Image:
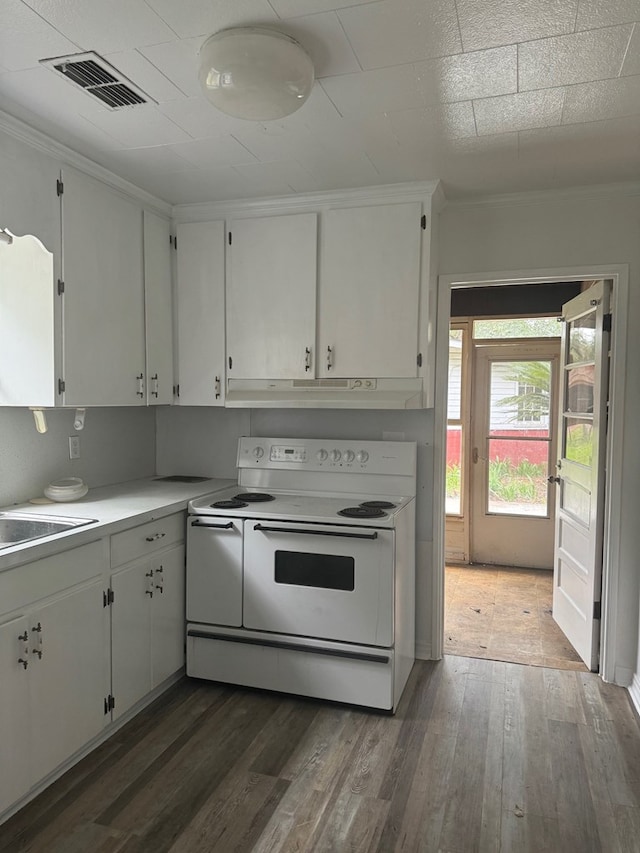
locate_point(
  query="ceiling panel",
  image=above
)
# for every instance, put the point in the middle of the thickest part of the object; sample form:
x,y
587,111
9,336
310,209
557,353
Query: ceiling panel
x,y
205,17
519,112
290,8
138,127
602,100
325,41
496,22
212,153
25,37
603,13
177,60
631,63
138,69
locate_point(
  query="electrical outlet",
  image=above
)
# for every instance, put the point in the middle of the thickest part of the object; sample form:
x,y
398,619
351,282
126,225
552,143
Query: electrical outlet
x,y
74,447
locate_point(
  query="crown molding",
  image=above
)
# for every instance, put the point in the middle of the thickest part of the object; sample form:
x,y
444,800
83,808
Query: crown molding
x,y
67,156
595,191
416,191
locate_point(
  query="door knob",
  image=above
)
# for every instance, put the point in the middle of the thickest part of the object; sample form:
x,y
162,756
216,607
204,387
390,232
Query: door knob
x,y
553,479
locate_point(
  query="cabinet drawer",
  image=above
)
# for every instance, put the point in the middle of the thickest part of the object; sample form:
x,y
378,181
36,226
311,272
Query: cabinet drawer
x,y
146,539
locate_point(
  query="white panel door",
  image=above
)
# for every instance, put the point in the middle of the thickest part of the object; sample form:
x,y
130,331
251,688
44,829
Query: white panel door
x,y
581,470
15,778
131,635
200,297
167,615
271,297
68,675
369,291
104,350
158,310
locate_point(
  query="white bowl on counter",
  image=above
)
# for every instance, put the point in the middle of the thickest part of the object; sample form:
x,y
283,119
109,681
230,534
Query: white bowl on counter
x,y
66,489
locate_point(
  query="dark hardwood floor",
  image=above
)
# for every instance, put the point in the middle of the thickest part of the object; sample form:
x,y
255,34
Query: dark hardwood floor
x,y
481,756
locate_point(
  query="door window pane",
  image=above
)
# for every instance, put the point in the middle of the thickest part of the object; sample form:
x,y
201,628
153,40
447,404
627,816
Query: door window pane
x,y
579,391
454,400
517,477
520,398
582,339
454,470
578,440
518,327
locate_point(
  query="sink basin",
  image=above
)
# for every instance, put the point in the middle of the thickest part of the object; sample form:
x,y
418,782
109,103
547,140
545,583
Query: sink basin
x,y
19,527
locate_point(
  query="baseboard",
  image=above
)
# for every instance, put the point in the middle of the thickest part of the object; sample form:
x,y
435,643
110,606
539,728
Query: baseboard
x,y
634,692
423,651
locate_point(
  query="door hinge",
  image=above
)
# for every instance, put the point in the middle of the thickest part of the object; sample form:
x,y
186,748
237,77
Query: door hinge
x,y
176,390
173,241
61,386
59,187
597,609
423,221
419,359
109,703
230,362
108,597
606,323
60,287
230,238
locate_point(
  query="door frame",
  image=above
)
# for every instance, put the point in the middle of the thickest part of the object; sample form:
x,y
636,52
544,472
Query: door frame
x,y
619,274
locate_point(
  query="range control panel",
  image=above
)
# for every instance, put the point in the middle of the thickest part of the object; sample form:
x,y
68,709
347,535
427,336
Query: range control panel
x,y
376,457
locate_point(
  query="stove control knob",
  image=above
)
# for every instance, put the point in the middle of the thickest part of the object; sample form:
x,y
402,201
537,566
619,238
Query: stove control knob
x,y
349,456
336,455
258,452
362,456
321,455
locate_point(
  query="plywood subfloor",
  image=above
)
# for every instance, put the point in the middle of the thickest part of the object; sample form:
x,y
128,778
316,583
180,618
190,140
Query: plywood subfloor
x,y
481,757
505,614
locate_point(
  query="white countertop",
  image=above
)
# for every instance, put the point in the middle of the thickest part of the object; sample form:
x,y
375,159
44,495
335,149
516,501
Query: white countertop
x,y
114,508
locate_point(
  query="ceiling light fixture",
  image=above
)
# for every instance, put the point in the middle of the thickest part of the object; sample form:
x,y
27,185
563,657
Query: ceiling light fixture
x,y
255,73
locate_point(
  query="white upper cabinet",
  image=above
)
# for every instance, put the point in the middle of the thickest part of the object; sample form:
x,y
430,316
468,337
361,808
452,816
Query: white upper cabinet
x,y
271,297
369,289
158,296
102,265
200,289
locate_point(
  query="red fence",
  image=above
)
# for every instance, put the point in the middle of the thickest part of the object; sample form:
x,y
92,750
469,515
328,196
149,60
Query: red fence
x,y
514,451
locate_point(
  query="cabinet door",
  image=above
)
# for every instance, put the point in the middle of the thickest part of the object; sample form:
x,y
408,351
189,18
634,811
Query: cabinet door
x,y
131,635
271,297
69,676
369,291
201,349
158,310
15,777
167,615
103,340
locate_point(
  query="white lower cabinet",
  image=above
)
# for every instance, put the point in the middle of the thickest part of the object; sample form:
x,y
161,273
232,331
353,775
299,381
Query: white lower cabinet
x,y
147,610
53,665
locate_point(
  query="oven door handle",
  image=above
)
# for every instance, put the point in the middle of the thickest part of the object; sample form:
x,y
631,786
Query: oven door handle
x,y
315,532
198,523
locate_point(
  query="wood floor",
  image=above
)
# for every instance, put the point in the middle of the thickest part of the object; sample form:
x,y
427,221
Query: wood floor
x,y
505,614
481,756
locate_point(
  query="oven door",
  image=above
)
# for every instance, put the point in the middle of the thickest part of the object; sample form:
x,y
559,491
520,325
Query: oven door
x,y
319,580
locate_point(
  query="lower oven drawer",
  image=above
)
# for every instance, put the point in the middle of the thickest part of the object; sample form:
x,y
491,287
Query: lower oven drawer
x,y
363,676
334,582
214,570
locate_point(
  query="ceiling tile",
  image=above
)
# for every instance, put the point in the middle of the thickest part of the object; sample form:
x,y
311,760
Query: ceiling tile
x,y
197,185
199,118
631,63
489,24
601,100
480,74
47,93
376,91
144,74
575,58
381,37
135,162
443,121
25,38
336,169
138,127
291,8
324,40
104,27
588,143
278,178
205,17
212,153
177,60
518,112
604,13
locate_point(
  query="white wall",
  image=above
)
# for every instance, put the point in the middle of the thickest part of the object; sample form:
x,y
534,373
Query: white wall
x,y
115,445
547,233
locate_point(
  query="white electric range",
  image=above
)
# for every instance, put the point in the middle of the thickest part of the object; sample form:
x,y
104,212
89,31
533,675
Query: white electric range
x,y
301,578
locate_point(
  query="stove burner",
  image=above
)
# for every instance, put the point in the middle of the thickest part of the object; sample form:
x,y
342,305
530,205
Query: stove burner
x,y
378,504
254,497
232,504
362,512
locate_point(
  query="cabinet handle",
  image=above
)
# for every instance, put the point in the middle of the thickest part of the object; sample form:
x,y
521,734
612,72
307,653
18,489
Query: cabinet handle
x,y
24,636
155,536
140,391
149,592
329,358
216,387
149,574
24,662
160,570
160,587
307,358
38,649
154,387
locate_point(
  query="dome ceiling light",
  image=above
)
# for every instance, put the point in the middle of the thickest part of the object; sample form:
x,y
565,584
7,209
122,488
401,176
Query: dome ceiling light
x,y
255,73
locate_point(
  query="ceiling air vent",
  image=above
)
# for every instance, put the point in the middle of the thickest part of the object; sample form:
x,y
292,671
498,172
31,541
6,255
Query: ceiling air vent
x,y
97,77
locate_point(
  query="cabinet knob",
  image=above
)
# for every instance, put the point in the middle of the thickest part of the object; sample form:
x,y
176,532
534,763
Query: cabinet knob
x,y
25,663
155,536
24,636
149,592
160,588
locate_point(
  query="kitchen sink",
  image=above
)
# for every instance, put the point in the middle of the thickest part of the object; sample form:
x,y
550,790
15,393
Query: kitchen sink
x,y
19,527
